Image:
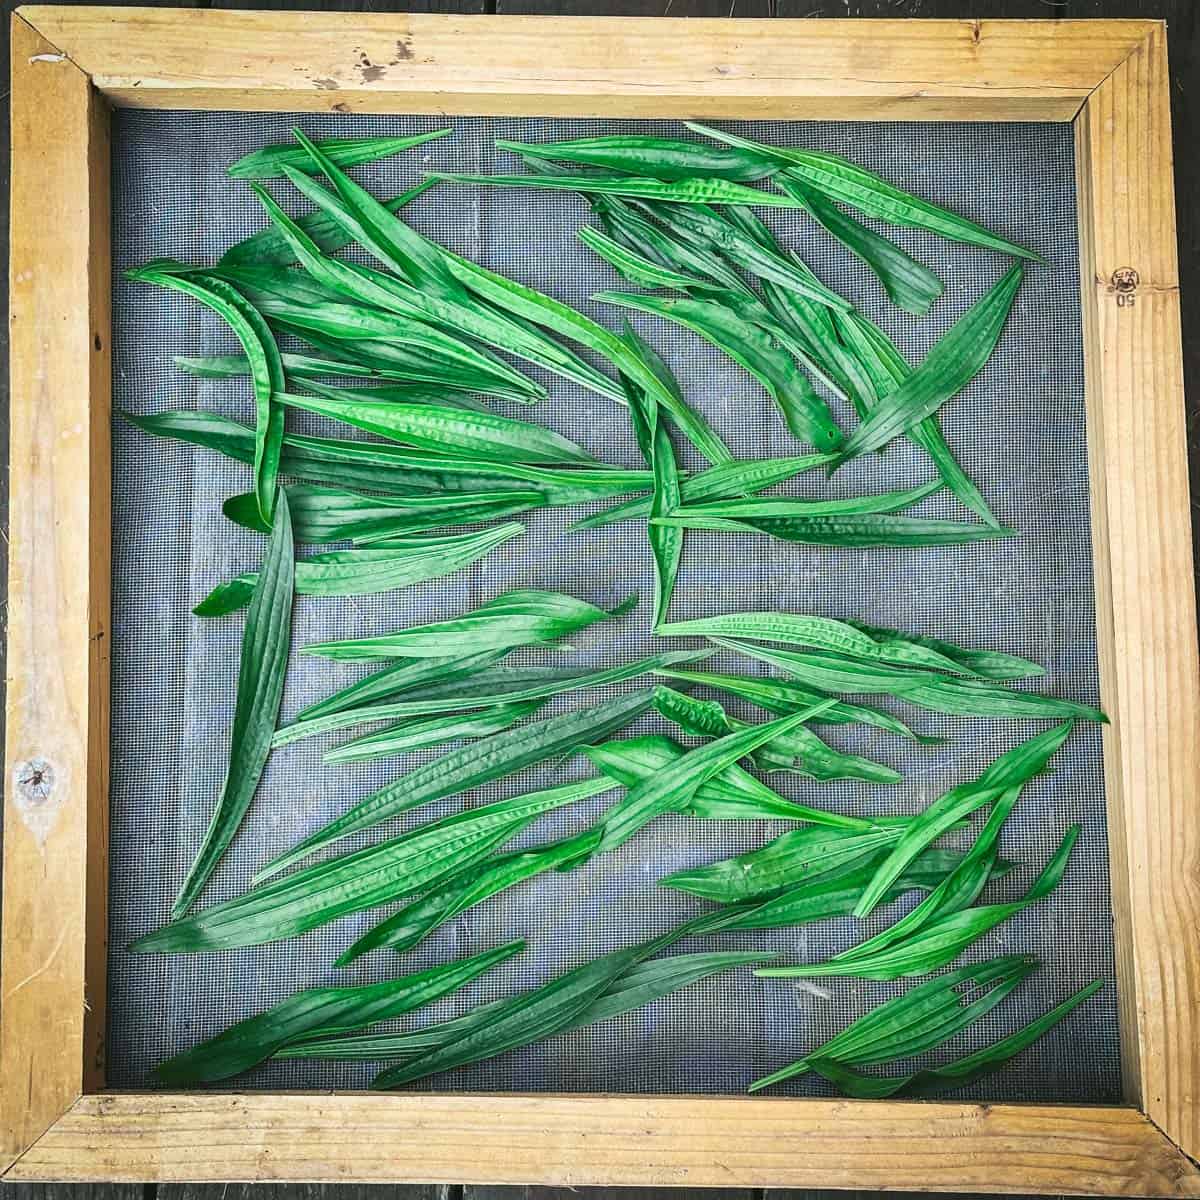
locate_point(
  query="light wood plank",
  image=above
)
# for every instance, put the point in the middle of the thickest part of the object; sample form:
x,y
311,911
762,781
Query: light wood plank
x,y
56,791
1144,575
617,67
611,1141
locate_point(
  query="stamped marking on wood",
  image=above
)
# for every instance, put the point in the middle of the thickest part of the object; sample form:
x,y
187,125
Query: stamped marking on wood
x,y
37,795
1124,285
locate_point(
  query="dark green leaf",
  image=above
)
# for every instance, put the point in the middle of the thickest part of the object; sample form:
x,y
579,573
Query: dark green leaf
x,y
268,163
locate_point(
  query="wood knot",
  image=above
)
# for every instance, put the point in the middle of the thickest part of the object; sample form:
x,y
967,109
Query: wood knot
x,y
34,782
1123,284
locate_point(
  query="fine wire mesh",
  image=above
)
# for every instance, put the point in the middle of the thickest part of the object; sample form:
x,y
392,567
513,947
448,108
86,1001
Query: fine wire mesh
x,y
1019,430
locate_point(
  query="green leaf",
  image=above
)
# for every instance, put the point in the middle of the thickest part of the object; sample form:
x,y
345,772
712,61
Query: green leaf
x,y
953,362
1015,768
466,688
473,764
266,640
705,228
825,633
660,794
938,693
781,695
716,483
270,248
807,416
296,366
640,271
732,795
909,285
532,305
923,1017
327,1010
781,511
682,191
847,183
268,163
799,856
364,879
864,531
517,618
940,940
464,434
416,921
418,735
800,750
959,1072
368,571
392,680
655,157
266,369
988,664
321,514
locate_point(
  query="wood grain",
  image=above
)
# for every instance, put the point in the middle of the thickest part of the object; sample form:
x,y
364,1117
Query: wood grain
x,y
732,1142
1144,579
56,781
616,67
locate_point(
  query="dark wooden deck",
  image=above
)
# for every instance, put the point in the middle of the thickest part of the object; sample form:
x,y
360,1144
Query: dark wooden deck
x,y
1183,17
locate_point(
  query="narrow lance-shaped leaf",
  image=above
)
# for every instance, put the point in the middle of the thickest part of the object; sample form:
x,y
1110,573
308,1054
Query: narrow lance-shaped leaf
x,y
471,765
466,434
418,735
682,191
843,181
940,693
717,483
269,247
866,530
825,633
806,414
370,570
1016,767
321,514
801,750
266,640
266,370
801,856
467,689
639,270
354,882
734,794
532,305
909,285
416,921
396,679
327,1010
656,157
958,1072
942,939
920,1019
268,163
952,363
988,664
518,618
783,696
658,795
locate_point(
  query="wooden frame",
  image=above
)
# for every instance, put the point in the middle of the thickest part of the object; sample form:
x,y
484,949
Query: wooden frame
x,y
1108,77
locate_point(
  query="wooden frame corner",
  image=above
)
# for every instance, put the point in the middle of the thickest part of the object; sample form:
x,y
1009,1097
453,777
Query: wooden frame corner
x,y
1108,77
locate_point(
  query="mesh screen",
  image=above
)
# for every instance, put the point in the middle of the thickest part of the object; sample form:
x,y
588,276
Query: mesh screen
x,y
1018,428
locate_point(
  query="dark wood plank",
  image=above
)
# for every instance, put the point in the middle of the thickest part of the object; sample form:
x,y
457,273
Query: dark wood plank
x,y
592,1193
292,1191
641,8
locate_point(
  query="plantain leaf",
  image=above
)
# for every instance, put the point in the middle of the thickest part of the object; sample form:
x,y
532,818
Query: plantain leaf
x,y
471,765
419,735
328,1010
987,664
956,359
847,183
639,270
517,618
370,570
266,640
268,163
857,530
918,1020
364,879
806,414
